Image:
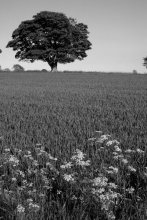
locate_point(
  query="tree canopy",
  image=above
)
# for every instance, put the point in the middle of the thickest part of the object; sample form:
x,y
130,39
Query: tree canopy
x,y
50,37
0,51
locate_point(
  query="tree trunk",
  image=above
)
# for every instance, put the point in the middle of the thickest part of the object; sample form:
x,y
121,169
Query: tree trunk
x,y
53,67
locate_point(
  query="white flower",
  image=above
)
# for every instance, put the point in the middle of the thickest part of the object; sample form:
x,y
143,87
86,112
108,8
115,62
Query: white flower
x,y
131,169
110,171
74,197
30,185
91,139
13,160
21,173
103,138
129,151
130,190
115,153
30,200
41,195
38,145
112,195
35,207
29,152
25,182
45,179
14,179
116,157
125,161
1,138
7,150
139,151
66,165
111,215
20,209
98,191
35,163
121,156
41,152
101,190
78,155
109,143
114,169
19,151
117,149
100,181
98,133
52,158
68,177
113,185
29,156
49,164
83,163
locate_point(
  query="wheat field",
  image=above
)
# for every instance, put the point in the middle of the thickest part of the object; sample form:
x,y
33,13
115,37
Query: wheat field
x,y
61,112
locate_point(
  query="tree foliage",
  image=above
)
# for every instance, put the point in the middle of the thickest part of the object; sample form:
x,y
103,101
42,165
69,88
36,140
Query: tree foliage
x,y
0,51
18,68
50,37
145,61
7,70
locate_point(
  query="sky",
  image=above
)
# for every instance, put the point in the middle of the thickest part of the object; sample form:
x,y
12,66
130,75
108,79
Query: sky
x,y
118,32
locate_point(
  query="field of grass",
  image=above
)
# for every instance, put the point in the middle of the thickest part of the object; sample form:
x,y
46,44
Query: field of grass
x,y
60,112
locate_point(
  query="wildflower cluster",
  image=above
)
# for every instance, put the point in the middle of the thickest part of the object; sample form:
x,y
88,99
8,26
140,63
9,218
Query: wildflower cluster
x,y
24,180
100,189
32,180
121,167
76,169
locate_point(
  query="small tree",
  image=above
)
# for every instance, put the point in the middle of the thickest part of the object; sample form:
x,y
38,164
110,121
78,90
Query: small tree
x,y
7,70
135,72
18,68
44,70
0,66
50,37
145,61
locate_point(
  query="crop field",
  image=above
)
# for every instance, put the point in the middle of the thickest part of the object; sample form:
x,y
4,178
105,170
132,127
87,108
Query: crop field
x,y
62,121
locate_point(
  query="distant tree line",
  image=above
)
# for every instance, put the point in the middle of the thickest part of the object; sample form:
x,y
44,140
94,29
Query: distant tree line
x,y
15,68
19,68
